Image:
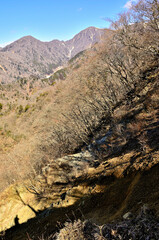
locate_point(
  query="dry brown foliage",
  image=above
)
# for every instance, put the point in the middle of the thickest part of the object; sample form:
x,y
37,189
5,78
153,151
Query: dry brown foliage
x,y
73,110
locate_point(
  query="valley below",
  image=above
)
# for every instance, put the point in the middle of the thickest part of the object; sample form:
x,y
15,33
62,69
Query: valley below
x,y
79,133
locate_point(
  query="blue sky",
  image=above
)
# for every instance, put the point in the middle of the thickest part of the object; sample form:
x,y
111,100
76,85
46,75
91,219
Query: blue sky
x,y
54,19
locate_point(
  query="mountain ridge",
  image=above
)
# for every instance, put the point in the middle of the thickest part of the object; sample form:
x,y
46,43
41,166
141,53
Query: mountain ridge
x,y
56,39
30,56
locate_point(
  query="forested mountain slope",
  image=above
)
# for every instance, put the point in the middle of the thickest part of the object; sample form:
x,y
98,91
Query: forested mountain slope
x,y
87,146
29,56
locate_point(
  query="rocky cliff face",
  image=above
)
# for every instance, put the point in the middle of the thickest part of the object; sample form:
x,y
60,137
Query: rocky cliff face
x,y
29,56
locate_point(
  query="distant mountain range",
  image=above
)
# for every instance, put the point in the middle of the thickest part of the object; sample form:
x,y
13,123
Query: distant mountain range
x,y
30,56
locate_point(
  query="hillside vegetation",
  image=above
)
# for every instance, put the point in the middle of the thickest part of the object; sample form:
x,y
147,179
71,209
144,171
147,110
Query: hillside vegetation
x,y
87,137
65,117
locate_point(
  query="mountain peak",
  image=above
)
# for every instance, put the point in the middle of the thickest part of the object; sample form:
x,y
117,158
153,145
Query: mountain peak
x,y
29,37
41,58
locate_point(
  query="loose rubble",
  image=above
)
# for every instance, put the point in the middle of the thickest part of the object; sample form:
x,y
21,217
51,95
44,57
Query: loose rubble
x,y
145,226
